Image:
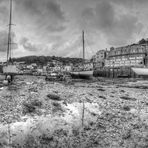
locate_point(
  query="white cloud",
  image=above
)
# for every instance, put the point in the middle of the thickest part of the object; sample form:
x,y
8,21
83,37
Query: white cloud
x,y
53,27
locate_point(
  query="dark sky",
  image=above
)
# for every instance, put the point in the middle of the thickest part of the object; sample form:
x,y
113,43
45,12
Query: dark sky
x,y
54,27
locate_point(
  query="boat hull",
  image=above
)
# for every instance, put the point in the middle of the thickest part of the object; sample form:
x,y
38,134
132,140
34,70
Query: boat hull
x,y
141,71
82,74
10,69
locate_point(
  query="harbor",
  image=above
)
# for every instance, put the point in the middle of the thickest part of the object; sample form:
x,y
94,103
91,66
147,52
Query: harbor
x,y
115,113
73,74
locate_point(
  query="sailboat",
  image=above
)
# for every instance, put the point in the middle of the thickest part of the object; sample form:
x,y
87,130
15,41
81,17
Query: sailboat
x,y
9,68
85,69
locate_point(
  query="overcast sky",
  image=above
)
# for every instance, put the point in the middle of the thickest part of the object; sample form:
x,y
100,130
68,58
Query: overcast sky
x,y
54,27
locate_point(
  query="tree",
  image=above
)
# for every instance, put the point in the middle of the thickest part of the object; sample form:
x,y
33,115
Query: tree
x,y
142,41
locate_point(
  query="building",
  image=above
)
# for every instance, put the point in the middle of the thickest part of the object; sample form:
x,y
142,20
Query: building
x,y
87,66
54,66
21,65
57,63
127,56
99,59
67,68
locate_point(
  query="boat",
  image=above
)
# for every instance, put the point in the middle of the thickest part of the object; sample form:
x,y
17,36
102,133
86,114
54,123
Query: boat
x,y
143,71
84,69
82,74
10,68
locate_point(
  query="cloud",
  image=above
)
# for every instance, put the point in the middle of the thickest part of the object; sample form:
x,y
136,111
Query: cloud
x,y
4,13
105,16
117,29
130,1
44,7
125,2
4,41
55,28
124,30
29,46
52,27
44,16
55,9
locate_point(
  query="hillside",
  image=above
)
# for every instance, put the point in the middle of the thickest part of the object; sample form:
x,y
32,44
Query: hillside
x,y
42,60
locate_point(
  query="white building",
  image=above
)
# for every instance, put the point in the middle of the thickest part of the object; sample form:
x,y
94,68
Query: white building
x,y
67,68
126,56
99,58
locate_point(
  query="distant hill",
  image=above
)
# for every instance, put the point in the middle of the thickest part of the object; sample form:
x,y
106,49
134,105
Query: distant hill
x,y
42,60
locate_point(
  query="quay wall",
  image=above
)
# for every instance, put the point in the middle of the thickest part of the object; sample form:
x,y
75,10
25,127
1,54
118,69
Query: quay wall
x,y
119,61
125,72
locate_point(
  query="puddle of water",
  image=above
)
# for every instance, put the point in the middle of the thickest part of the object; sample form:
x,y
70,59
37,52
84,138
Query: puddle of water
x,y
40,125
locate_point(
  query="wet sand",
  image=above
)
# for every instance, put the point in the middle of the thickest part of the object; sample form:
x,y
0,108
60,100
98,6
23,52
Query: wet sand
x,y
115,113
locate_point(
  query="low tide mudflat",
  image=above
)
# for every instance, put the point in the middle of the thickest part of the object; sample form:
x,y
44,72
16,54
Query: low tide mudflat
x,y
37,113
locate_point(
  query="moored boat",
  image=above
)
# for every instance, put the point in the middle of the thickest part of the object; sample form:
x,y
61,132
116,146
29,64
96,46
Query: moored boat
x,y
10,68
82,74
84,69
141,71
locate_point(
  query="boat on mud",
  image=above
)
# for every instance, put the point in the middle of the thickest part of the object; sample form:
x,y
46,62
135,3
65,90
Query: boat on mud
x,y
54,76
143,71
84,69
10,69
82,73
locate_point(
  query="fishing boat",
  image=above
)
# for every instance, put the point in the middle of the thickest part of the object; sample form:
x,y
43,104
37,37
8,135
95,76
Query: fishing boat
x,y
143,71
84,69
82,73
10,68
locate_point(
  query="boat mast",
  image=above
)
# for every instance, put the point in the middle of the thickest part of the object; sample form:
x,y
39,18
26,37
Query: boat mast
x,y
9,35
83,45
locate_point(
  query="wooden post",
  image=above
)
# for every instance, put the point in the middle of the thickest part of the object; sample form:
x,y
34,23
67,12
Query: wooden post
x,y
83,110
117,71
105,72
113,69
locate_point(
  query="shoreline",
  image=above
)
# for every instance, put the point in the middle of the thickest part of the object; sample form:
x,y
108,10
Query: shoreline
x,y
112,107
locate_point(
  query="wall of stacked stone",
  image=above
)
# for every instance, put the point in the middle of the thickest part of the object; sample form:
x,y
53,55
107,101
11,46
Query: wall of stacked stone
x,y
115,72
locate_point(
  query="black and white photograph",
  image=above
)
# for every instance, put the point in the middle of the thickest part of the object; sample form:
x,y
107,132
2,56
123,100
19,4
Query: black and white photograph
x,y
73,73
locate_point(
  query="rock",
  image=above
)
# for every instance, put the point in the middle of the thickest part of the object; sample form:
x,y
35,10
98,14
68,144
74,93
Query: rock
x,y
5,82
54,97
126,134
102,97
1,88
128,98
30,106
100,89
126,108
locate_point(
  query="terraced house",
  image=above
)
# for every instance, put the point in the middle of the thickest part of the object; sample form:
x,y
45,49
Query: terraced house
x,y
127,56
99,59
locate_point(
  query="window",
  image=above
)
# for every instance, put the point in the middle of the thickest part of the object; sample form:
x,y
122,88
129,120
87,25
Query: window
x,y
134,50
142,49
